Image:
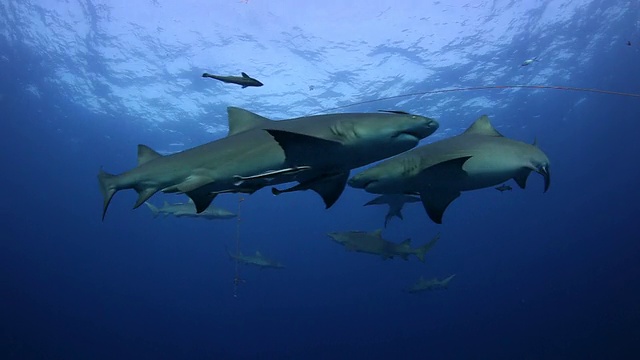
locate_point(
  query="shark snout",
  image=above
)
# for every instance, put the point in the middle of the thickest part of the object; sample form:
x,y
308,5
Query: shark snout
x,y
423,129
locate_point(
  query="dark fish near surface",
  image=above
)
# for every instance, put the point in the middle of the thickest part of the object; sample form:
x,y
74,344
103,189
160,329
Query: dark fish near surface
x,y
244,80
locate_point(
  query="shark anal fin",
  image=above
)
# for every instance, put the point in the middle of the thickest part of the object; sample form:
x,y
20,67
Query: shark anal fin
x,y
144,195
436,202
299,148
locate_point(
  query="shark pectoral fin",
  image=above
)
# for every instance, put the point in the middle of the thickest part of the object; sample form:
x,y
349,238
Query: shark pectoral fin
x,y
399,214
244,86
146,154
521,178
201,199
380,200
331,188
300,148
144,195
436,202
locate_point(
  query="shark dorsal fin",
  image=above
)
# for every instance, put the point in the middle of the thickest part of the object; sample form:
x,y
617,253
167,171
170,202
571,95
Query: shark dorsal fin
x,y
482,126
241,120
244,75
377,233
535,142
397,112
146,154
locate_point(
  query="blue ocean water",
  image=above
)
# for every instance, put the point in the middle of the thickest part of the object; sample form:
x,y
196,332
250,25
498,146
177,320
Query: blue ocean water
x,y
538,275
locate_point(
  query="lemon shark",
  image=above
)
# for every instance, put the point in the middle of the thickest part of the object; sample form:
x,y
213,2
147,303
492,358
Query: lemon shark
x,y
480,157
395,202
319,151
429,285
258,260
244,80
373,243
189,210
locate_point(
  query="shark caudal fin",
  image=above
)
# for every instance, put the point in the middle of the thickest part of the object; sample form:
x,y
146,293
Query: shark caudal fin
x,y
422,250
154,210
108,188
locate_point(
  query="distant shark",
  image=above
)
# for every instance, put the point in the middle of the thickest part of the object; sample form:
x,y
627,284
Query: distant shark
x,y
189,210
429,285
478,158
373,243
319,151
258,260
395,202
244,80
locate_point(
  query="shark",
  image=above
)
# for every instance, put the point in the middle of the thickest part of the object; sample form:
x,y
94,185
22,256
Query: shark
x,y
480,157
373,243
429,285
244,80
250,158
189,210
257,259
395,202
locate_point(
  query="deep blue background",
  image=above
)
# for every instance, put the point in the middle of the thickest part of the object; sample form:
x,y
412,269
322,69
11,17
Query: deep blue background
x,y
550,275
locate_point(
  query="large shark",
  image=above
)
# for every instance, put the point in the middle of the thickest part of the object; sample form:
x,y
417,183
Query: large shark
x,y
429,285
373,243
244,80
395,202
258,260
478,158
189,210
249,158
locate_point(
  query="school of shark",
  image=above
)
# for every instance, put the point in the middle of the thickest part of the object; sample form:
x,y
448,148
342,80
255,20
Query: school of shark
x,y
317,153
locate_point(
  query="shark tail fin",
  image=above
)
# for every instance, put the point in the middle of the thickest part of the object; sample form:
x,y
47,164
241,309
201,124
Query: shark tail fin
x,y
108,187
153,209
422,250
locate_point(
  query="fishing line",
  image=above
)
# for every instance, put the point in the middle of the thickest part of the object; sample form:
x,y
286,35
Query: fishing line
x,y
237,280
489,87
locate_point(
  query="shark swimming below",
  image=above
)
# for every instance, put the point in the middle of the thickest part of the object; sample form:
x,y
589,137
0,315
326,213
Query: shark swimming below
x,y
429,285
244,80
317,151
395,202
189,210
478,158
373,243
258,260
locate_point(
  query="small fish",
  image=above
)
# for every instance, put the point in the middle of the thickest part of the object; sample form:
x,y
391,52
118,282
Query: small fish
x,y
529,61
628,43
504,187
244,80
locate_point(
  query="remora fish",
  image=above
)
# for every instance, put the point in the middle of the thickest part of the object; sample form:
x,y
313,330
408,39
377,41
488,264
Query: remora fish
x,y
244,80
343,141
478,158
189,210
373,243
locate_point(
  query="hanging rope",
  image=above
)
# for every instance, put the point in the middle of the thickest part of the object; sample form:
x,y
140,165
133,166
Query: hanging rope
x,y
237,280
500,87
